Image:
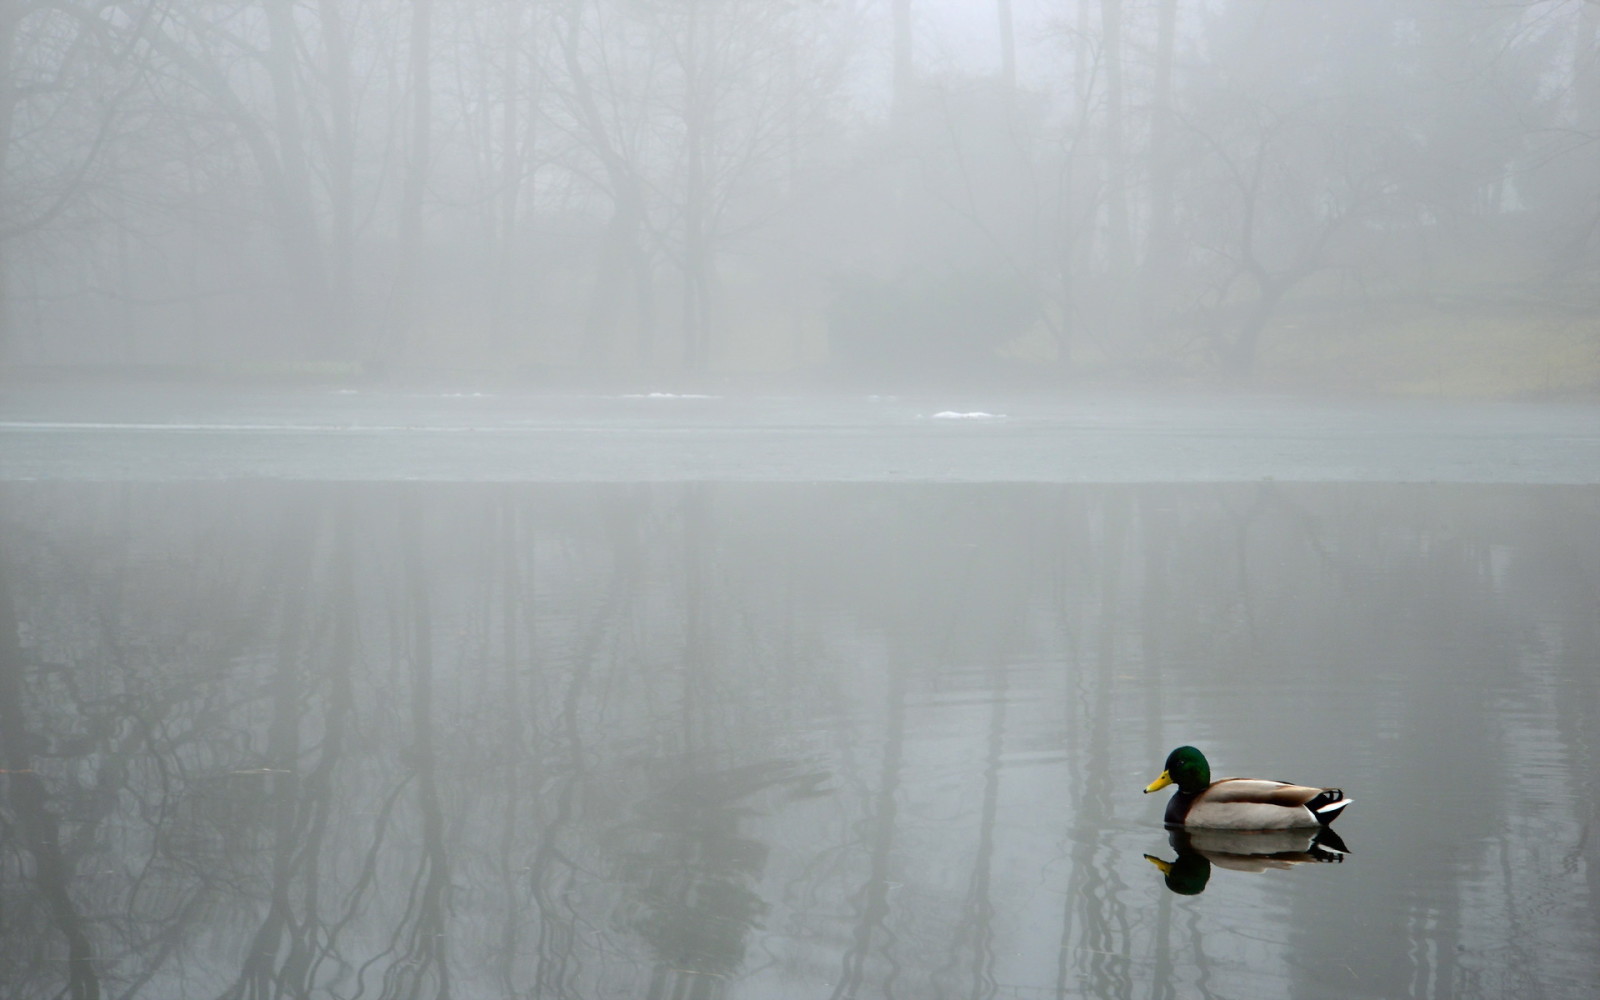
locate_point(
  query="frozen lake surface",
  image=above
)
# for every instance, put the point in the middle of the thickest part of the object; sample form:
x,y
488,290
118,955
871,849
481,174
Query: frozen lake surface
x,y
151,434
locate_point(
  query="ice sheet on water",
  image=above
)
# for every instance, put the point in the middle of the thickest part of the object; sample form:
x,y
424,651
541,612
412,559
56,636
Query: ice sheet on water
x,y
206,433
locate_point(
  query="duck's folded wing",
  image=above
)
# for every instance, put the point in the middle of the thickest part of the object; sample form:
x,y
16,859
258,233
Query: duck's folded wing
x,y
1253,804
1261,792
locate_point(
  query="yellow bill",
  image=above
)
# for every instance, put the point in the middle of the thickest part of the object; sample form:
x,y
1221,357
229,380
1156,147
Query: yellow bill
x,y
1158,784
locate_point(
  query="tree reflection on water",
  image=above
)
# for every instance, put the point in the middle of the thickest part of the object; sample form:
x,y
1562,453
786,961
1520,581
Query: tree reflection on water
x,y
695,741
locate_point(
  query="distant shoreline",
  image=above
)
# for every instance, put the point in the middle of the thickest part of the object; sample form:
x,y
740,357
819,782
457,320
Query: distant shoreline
x,y
1333,382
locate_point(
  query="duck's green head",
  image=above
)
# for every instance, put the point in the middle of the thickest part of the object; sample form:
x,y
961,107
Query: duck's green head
x,y
1186,768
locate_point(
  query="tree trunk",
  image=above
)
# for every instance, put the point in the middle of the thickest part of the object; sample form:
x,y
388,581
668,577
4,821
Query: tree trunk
x,y
904,70
1238,356
1077,242
340,168
405,303
1161,252
613,273
1008,46
697,124
621,251
1119,241
298,227
10,14
1586,115
512,103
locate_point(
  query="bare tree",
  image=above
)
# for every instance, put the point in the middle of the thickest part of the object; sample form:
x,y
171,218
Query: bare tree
x,y
607,121
1118,224
66,70
1008,43
403,317
686,111
279,78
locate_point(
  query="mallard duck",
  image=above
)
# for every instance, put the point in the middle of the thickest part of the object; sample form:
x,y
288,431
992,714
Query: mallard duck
x,y
1241,803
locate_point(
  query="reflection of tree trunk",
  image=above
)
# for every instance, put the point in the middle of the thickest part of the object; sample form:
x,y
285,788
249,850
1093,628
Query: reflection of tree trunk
x,y
1162,931
568,772
690,833
517,603
872,902
1087,927
975,926
293,939
1571,531
337,670
29,802
425,948
1156,532
290,583
697,647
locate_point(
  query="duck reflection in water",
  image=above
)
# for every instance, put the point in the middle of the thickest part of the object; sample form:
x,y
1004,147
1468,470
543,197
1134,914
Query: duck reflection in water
x,y
1242,851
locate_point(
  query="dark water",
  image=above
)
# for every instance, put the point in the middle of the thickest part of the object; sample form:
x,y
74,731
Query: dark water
x,y
789,740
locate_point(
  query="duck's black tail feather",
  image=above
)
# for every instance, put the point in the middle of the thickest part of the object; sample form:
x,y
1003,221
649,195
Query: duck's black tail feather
x,y
1327,806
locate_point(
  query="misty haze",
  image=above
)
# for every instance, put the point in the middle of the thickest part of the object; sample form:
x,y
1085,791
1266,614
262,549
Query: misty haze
x,y
701,499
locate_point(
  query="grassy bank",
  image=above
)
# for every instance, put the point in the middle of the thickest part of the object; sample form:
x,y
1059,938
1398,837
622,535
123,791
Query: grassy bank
x,y
1423,348
1462,349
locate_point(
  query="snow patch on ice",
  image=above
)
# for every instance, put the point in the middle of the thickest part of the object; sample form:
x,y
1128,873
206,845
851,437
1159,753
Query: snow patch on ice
x,y
666,395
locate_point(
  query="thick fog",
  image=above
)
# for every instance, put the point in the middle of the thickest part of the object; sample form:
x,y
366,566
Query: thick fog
x,y
558,192
718,499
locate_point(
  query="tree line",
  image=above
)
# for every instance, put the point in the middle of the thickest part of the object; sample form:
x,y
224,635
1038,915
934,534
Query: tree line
x,y
601,186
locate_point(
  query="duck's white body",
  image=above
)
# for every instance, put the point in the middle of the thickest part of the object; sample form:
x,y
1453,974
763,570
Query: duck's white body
x,y
1256,804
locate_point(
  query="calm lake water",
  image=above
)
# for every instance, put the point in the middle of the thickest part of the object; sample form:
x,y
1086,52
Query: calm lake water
x,y
786,739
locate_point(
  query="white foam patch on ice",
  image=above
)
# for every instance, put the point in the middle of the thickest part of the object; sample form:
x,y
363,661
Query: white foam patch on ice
x,y
666,395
